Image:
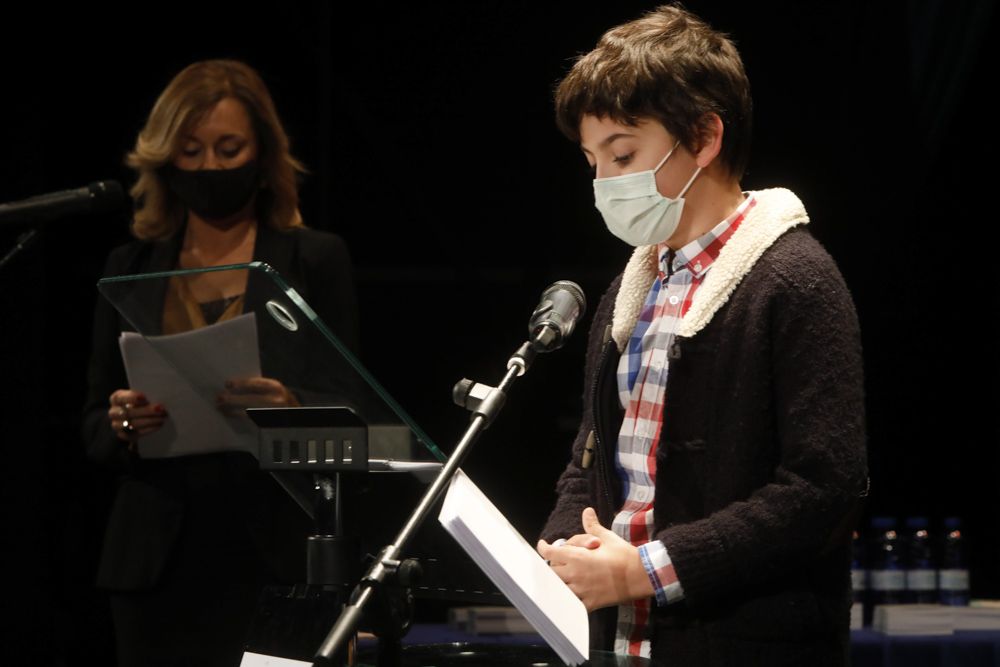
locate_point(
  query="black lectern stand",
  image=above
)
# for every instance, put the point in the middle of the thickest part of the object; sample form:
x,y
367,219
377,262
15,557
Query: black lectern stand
x,y
328,442
307,449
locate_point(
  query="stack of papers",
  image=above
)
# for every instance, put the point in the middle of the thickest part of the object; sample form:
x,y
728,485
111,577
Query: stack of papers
x,y
936,619
516,569
979,615
185,372
857,616
914,619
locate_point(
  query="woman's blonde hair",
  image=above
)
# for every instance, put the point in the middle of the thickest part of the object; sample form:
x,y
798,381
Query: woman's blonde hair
x,y
186,99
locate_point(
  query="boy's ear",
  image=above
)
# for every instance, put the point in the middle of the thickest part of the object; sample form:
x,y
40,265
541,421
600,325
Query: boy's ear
x,y
709,140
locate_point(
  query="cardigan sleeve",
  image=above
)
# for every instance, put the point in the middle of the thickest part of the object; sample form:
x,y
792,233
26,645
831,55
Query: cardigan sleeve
x,y
573,494
804,510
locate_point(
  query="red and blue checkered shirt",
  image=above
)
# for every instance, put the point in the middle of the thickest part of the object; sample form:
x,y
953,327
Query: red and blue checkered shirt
x,y
642,383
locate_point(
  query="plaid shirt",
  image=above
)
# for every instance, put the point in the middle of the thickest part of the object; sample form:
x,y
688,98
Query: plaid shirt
x,y
642,383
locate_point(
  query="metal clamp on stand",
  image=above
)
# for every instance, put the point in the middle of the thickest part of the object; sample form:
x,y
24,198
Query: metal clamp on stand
x,y
487,401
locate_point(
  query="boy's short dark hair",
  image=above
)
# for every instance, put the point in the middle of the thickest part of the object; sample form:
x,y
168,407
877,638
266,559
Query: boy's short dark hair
x,y
668,65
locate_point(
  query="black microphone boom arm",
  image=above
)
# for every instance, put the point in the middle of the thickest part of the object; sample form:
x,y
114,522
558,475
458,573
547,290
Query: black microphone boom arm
x,y
558,312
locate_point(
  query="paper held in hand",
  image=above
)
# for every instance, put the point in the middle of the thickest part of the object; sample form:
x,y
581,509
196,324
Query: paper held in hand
x,y
516,569
185,372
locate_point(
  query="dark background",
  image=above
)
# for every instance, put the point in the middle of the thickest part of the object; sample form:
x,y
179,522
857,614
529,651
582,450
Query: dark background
x,y
429,136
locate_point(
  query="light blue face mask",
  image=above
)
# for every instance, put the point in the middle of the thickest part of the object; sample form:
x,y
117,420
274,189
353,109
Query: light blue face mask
x,y
634,210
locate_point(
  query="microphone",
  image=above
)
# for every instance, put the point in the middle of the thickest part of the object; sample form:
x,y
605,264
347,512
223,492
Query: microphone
x,y
97,197
561,305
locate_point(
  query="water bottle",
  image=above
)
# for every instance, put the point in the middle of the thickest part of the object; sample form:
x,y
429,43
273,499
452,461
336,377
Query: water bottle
x,y
887,577
953,579
859,584
921,575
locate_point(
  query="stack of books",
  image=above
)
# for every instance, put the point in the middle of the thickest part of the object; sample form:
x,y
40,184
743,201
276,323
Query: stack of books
x,y
936,619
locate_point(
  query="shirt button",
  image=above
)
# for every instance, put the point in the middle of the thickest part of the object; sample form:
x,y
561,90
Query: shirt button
x,y
674,301
697,266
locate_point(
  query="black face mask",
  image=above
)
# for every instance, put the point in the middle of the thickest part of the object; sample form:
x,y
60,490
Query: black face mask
x,y
213,194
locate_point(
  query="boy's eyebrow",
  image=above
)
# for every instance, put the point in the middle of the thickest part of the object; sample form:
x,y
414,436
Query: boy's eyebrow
x,y
608,140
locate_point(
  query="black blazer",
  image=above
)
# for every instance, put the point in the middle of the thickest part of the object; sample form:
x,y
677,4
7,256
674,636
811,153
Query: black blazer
x,y
154,496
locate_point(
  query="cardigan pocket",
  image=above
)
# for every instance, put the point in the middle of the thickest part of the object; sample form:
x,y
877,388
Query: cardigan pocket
x,y
783,616
680,480
690,392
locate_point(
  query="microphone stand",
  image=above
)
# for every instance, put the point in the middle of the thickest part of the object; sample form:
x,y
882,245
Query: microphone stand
x,y
485,403
24,241
99,196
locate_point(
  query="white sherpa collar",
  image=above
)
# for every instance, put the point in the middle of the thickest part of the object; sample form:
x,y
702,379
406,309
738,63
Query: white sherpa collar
x,y
776,211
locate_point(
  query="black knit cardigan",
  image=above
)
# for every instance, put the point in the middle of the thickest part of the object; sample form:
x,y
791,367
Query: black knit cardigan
x,y
760,466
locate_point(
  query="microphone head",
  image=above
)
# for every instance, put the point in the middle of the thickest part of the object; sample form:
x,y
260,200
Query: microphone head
x,y
105,196
561,306
98,197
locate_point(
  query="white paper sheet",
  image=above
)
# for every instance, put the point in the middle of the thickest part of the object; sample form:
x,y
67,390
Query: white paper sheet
x,y
516,569
186,372
260,660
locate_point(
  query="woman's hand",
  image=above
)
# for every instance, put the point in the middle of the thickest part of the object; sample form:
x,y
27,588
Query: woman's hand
x,y
599,567
132,416
258,392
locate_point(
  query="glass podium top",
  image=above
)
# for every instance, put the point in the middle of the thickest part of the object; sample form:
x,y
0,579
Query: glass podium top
x,y
263,347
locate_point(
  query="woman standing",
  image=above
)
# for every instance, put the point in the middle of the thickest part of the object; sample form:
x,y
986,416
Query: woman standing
x,y
191,540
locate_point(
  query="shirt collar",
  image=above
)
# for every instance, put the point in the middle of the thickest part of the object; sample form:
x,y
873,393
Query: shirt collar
x,y
698,255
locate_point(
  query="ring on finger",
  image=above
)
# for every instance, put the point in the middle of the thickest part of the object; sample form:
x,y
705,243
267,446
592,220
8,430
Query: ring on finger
x,y
127,427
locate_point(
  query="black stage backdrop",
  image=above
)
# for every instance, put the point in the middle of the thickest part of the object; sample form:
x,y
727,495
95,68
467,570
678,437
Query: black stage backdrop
x,y
429,136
